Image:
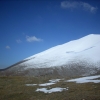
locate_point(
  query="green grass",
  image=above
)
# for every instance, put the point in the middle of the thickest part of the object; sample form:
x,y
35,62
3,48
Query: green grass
x,y
13,88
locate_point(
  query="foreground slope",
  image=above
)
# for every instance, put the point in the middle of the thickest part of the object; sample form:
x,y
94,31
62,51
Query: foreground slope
x,y
77,57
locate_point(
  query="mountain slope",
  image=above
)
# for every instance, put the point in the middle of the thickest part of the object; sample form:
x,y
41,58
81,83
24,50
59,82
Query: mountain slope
x,y
77,57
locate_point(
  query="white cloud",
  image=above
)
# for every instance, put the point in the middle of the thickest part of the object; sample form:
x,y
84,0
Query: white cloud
x,y
18,41
68,4
7,47
89,7
32,39
76,4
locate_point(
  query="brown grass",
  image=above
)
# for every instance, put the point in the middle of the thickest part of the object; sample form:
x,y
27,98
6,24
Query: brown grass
x,y
13,88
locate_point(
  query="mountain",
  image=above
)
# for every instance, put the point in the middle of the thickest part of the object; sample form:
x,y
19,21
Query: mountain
x,y
75,58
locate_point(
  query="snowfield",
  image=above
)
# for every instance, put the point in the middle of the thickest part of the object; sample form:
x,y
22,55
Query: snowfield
x,y
79,57
83,49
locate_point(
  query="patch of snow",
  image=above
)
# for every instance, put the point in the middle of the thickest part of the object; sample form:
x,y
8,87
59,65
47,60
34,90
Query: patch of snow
x,y
45,90
46,84
86,79
31,84
51,82
55,80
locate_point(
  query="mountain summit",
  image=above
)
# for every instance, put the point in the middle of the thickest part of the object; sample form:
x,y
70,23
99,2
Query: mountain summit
x,y
74,58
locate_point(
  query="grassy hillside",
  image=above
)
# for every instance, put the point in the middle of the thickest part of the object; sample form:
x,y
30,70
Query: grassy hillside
x,y
14,88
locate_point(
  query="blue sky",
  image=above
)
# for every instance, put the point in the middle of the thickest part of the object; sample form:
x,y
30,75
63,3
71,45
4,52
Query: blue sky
x,y
28,27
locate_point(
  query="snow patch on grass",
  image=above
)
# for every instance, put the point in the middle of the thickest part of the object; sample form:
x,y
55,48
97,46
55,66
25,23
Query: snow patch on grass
x,y
45,90
51,82
55,80
31,84
86,79
46,84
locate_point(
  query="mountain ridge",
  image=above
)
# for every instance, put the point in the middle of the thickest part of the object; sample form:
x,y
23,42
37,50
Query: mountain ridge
x,y
80,57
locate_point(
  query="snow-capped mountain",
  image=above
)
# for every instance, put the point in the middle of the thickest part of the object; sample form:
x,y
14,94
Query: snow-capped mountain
x,y
77,57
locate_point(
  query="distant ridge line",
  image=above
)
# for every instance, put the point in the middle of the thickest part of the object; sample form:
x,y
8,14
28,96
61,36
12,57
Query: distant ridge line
x,y
15,64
